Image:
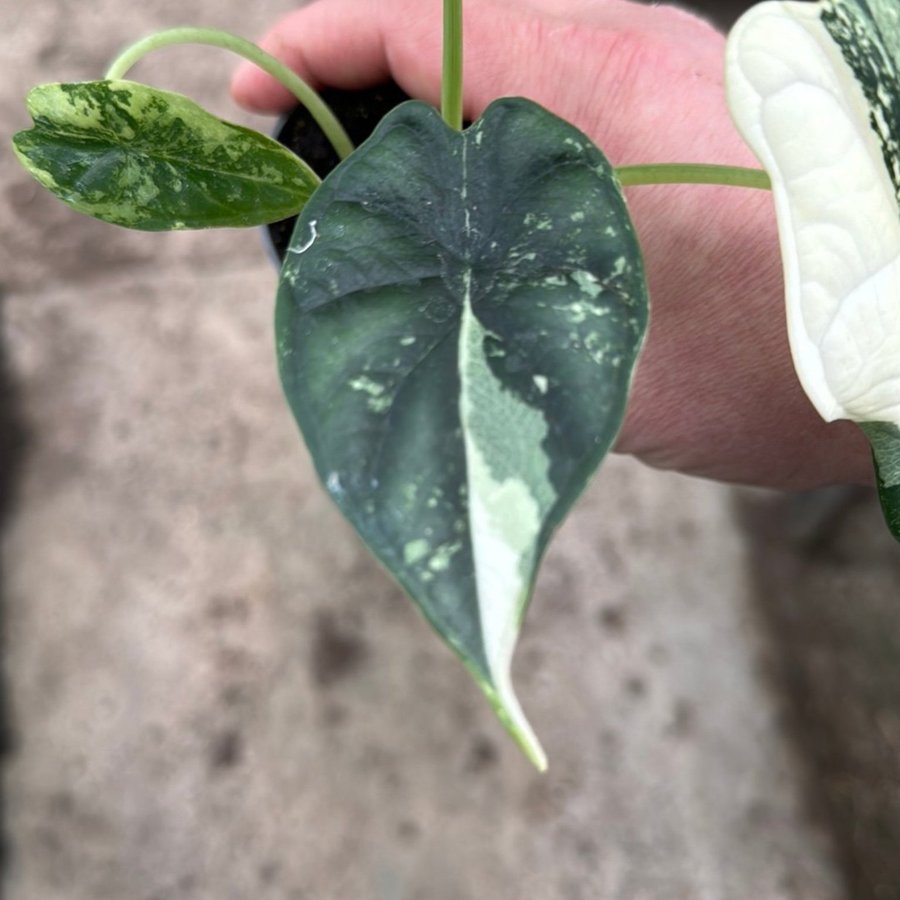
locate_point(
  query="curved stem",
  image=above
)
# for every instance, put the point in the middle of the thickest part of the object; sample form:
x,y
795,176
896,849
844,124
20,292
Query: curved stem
x,y
451,81
691,173
212,37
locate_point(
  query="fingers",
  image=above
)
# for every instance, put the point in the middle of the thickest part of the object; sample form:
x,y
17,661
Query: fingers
x,y
349,44
357,43
572,56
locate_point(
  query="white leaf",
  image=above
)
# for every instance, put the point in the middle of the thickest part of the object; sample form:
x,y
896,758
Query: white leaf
x,y
805,115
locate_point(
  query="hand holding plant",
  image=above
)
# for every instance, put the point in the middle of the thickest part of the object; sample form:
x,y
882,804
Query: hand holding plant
x,y
715,393
460,311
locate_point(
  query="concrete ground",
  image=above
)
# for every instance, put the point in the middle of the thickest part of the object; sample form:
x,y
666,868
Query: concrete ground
x,y
212,692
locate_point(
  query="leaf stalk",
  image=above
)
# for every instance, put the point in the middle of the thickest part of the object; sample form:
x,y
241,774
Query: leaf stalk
x,y
452,75
693,173
213,37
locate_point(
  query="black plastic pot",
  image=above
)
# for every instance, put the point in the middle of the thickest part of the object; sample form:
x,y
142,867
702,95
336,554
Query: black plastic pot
x,y
358,111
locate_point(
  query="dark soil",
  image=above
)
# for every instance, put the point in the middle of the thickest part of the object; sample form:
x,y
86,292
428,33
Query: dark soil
x,y
358,111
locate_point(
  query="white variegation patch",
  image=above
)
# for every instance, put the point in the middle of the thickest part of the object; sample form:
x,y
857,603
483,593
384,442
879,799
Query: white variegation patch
x,y
801,109
505,513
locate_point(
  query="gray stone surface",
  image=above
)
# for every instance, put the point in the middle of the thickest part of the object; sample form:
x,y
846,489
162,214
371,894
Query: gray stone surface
x,y
831,607
217,694
216,689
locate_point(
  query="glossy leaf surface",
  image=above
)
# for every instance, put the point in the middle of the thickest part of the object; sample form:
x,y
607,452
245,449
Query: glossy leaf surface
x,y
152,160
458,319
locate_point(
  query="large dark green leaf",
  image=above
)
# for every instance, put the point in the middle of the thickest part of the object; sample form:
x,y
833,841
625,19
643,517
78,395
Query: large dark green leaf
x,y
153,160
457,322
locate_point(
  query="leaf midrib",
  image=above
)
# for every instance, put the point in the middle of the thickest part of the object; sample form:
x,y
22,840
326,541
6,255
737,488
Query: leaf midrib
x,y
140,155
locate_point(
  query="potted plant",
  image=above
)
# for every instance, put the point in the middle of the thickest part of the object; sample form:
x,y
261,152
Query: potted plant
x,y
460,311
358,111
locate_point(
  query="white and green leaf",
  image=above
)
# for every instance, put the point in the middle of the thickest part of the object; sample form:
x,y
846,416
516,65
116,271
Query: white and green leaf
x,y
152,160
458,319
815,90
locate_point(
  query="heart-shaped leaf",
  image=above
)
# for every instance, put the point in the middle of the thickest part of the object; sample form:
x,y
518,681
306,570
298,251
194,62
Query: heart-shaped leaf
x,y
153,160
815,89
458,319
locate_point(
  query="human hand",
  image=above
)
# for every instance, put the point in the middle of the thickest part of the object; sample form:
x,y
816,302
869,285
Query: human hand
x,y
715,393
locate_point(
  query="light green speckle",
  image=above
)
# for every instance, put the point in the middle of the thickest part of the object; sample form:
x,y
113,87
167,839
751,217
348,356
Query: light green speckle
x,y
587,283
378,401
543,223
367,385
443,556
415,551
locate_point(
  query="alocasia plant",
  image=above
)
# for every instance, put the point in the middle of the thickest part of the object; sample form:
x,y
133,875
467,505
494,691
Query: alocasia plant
x,y
460,311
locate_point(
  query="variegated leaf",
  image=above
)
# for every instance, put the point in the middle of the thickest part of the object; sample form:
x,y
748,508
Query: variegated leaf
x,y
149,159
815,89
457,322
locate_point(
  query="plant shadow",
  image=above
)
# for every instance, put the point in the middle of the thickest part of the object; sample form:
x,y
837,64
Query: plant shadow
x,y
826,576
12,451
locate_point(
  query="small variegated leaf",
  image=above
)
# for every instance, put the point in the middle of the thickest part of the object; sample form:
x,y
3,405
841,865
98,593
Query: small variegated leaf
x,y
152,160
457,322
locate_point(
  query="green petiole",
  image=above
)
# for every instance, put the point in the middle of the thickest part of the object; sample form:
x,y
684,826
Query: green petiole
x,y
693,173
451,81
212,37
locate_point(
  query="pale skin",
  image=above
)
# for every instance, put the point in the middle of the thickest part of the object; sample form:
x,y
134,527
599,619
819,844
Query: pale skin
x,y
715,393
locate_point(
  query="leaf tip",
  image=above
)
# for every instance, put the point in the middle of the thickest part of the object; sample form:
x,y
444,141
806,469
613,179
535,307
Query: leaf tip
x,y
538,757
509,712
523,734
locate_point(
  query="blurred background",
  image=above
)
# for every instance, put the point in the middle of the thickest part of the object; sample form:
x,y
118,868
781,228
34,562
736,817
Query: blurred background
x,y
210,691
